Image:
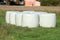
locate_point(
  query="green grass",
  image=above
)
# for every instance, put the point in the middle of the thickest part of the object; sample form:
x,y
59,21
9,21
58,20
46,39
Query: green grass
x,y
12,32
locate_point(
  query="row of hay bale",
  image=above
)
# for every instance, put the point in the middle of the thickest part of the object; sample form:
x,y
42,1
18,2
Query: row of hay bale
x,y
31,19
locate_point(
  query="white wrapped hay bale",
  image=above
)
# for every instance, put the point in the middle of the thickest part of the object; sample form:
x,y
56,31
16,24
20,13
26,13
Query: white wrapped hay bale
x,y
12,17
28,12
40,13
48,20
19,16
30,20
7,16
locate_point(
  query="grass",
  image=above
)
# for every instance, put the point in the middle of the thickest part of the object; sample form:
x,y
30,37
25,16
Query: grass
x,y
12,32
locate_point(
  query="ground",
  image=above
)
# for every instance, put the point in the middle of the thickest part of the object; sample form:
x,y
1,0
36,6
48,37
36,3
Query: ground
x,y
21,8
12,32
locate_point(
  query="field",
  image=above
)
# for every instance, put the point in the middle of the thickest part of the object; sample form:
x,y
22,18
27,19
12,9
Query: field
x,y
12,32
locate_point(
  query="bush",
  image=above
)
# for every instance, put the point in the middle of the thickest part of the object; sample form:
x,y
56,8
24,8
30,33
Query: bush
x,y
50,2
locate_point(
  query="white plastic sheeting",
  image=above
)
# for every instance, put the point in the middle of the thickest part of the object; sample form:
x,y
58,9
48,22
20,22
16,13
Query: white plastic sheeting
x,y
7,16
30,20
19,16
39,13
48,20
28,11
12,17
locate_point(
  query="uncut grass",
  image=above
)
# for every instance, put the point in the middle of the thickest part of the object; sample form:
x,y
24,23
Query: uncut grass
x,y
12,32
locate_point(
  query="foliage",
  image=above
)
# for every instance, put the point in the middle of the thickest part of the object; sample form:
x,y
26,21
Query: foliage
x,y
12,32
50,2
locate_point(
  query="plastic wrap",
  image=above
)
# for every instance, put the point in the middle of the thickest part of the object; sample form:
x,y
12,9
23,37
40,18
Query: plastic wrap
x,y
19,20
48,20
7,16
30,20
12,17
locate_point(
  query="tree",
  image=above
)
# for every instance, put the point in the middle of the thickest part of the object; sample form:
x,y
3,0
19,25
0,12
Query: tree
x,y
50,2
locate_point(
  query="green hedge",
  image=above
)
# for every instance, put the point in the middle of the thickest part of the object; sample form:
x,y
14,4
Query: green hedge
x,y
50,2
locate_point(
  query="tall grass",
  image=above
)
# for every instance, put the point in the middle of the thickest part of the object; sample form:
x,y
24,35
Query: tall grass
x,y
12,32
